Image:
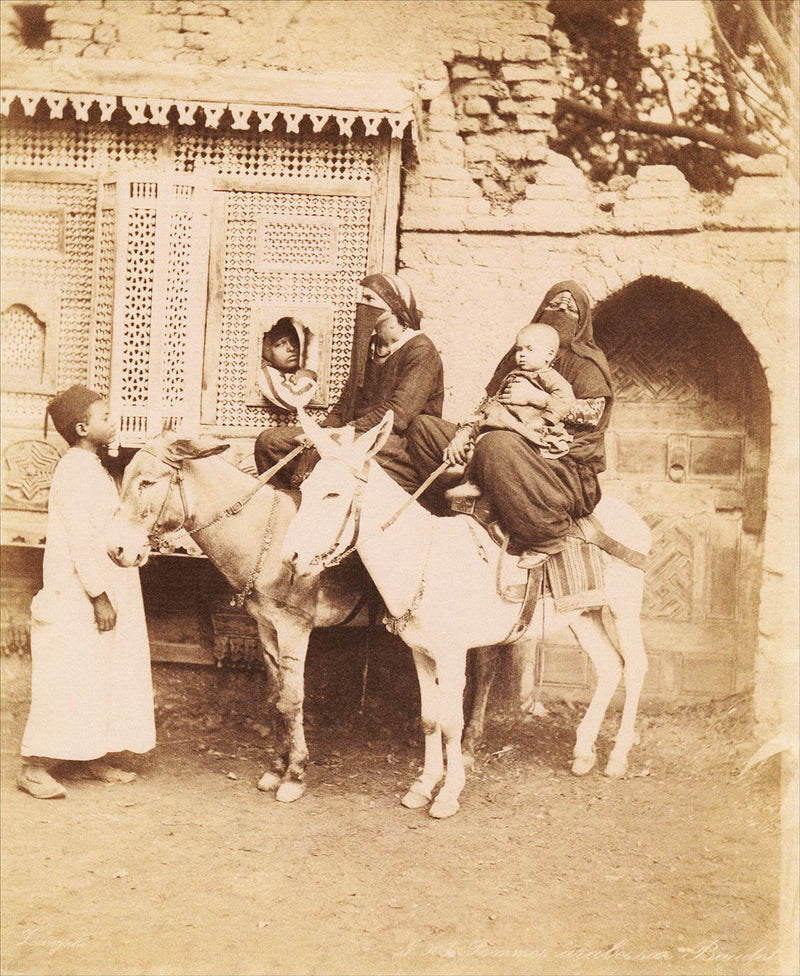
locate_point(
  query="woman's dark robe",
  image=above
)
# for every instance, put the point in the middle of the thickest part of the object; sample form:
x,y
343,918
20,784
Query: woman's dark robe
x,y
538,498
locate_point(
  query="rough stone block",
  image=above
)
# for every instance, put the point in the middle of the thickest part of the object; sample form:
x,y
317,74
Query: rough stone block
x,y
68,48
519,145
491,123
507,106
535,30
560,171
452,188
536,89
527,72
72,30
533,123
479,152
442,105
448,142
104,34
479,206
477,106
491,52
658,189
171,39
94,51
485,87
441,171
543,191
465,49
193,23
468,126
440,123
769,165
536,106
464,71
537,51
516,50
658,174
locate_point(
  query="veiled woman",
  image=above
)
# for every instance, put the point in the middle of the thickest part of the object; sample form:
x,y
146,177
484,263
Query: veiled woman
x,y
394,366
537,498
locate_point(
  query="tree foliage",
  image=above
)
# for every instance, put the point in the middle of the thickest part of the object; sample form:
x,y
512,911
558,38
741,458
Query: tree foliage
x,y
694,108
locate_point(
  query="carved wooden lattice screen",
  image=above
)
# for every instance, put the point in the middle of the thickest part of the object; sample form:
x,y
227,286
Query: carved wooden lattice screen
x,y
149,309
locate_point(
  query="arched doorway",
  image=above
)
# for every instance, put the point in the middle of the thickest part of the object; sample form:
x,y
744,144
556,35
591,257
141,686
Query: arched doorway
x,y
689,448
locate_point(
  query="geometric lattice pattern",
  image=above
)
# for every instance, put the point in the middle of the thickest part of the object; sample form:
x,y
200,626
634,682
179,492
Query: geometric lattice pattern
x,y
659,370
36,230
23,341
138,307
299,243
251,154
249,285
312,248
670,569
77,145
57,259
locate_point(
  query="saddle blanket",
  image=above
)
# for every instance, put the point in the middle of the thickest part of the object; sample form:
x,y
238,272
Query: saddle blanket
x,y
576,577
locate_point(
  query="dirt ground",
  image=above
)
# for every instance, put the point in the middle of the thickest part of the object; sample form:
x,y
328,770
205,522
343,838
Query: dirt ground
x,y
190,870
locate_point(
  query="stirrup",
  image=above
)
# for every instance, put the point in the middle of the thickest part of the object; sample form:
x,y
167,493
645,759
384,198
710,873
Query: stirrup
x,y
466,490
531,558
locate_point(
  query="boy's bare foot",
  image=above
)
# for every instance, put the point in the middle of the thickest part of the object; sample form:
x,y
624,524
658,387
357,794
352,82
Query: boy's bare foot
x,y
106,773
36,781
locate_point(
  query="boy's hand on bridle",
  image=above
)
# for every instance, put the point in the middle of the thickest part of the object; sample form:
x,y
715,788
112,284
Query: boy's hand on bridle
x,y
105,616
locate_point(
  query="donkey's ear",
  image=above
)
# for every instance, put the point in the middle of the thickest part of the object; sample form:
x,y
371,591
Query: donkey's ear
x,y
190,449
370,443
318,436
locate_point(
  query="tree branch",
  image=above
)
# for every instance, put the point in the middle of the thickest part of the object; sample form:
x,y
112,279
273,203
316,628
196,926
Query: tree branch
x,y
631,123
775,47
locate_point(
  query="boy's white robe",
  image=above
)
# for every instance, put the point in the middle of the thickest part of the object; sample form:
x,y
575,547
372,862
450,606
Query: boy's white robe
x,y
91,692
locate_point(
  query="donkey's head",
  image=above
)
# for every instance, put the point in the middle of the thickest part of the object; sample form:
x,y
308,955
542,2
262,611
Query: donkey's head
x,y
153,498
327,523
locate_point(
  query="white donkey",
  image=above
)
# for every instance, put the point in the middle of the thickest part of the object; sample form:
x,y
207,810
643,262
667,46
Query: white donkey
x,y
437,577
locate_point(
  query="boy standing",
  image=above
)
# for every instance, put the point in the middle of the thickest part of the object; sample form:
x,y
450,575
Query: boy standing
x,y
91,687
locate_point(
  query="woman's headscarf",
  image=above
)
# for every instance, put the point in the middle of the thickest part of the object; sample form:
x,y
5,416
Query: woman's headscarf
x,y
400,299
397,295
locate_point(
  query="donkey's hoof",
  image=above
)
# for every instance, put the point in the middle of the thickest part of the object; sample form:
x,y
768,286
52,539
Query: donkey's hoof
x,y
442,808
616,768
581,765
415,799
468,760
269,782
290,791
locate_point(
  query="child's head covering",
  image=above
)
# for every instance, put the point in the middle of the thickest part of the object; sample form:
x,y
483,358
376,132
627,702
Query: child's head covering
x,y
68,408
286,326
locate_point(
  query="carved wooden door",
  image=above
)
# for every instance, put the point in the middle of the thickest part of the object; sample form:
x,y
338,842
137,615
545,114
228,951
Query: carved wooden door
x,y
688,449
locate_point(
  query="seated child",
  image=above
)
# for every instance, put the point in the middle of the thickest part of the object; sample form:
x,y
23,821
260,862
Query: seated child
x,y
288,373
533,401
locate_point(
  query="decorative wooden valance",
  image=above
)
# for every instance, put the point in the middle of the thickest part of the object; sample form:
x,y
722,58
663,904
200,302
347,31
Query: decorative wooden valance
x,y
149,93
